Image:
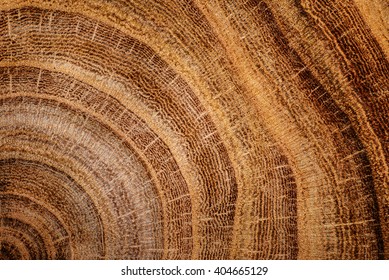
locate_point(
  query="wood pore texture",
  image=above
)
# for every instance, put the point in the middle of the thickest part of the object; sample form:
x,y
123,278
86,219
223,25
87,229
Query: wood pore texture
x,y
181,129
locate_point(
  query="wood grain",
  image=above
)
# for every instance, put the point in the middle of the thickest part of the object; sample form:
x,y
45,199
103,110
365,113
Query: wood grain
x,y
194,129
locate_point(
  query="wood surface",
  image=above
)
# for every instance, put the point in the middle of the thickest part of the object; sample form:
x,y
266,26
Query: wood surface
x,y
181,129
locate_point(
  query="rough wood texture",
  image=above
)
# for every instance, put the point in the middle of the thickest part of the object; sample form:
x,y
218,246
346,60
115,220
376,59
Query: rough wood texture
x,y
181,129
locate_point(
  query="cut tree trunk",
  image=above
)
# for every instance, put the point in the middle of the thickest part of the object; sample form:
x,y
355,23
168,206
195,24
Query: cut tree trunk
x,y
181,129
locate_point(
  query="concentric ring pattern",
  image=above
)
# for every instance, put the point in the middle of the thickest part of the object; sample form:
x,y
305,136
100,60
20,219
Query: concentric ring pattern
x,y
194,129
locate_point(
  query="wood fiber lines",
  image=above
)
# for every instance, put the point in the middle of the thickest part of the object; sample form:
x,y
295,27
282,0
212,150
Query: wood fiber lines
x,y
194,129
